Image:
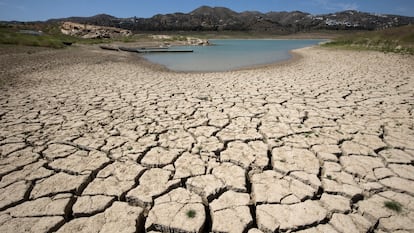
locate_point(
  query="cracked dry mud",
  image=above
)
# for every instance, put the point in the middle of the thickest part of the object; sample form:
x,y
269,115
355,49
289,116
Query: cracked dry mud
x,y
109,145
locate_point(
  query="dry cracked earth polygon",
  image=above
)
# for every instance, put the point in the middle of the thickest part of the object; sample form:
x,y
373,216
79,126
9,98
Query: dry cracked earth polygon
x,y
320,145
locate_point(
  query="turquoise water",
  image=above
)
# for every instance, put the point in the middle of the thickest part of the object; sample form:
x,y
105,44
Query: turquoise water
x,y
229,54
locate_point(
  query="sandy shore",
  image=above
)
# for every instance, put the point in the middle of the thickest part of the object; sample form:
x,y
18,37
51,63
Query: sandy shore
x,y
102,141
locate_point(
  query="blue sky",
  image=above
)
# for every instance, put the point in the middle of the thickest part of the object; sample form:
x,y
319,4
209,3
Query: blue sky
x,y
29,10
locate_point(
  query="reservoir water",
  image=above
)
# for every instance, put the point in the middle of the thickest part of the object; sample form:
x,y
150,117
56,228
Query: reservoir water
x,y
227,55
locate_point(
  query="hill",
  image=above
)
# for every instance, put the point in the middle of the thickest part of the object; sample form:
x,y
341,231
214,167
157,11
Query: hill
x,y
223,19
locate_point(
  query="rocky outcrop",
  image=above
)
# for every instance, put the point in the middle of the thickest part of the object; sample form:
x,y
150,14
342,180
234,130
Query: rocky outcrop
x,y
91,31
197,41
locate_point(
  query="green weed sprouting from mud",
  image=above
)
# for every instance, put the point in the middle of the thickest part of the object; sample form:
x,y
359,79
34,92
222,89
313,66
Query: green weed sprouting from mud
x,y
191,213
393,205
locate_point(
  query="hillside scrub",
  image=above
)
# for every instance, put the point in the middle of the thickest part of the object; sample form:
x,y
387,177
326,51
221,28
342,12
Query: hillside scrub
x,y
45,35
397,40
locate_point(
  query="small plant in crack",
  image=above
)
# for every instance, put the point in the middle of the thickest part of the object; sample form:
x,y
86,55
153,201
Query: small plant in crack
x,y
307,134
329,177
191,213
129,148
203,98
393,205
338,131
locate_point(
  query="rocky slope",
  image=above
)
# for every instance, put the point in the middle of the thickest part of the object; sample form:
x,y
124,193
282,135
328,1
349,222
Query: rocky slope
x,y
91,31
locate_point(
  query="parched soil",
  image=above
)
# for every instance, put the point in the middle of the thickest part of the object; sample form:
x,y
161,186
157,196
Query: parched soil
x,y
102,141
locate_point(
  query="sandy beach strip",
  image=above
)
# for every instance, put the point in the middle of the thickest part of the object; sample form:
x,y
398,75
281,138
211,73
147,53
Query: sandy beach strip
x,y
103,141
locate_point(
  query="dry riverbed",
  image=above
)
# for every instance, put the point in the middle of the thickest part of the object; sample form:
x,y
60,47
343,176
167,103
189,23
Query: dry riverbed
x,y
102,141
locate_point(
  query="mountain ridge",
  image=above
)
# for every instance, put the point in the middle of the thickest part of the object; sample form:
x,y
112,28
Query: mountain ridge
x,y
206,18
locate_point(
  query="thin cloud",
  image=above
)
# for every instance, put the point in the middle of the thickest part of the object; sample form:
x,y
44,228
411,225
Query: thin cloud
x,y
335,6
21,8
348,6
402,10
12,7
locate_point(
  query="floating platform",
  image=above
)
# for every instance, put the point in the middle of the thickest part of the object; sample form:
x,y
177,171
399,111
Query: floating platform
x,y
155,50
165,51
134,50
140,48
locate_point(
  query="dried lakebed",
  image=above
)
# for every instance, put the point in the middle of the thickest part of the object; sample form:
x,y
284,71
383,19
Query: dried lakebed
x,y
324,144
